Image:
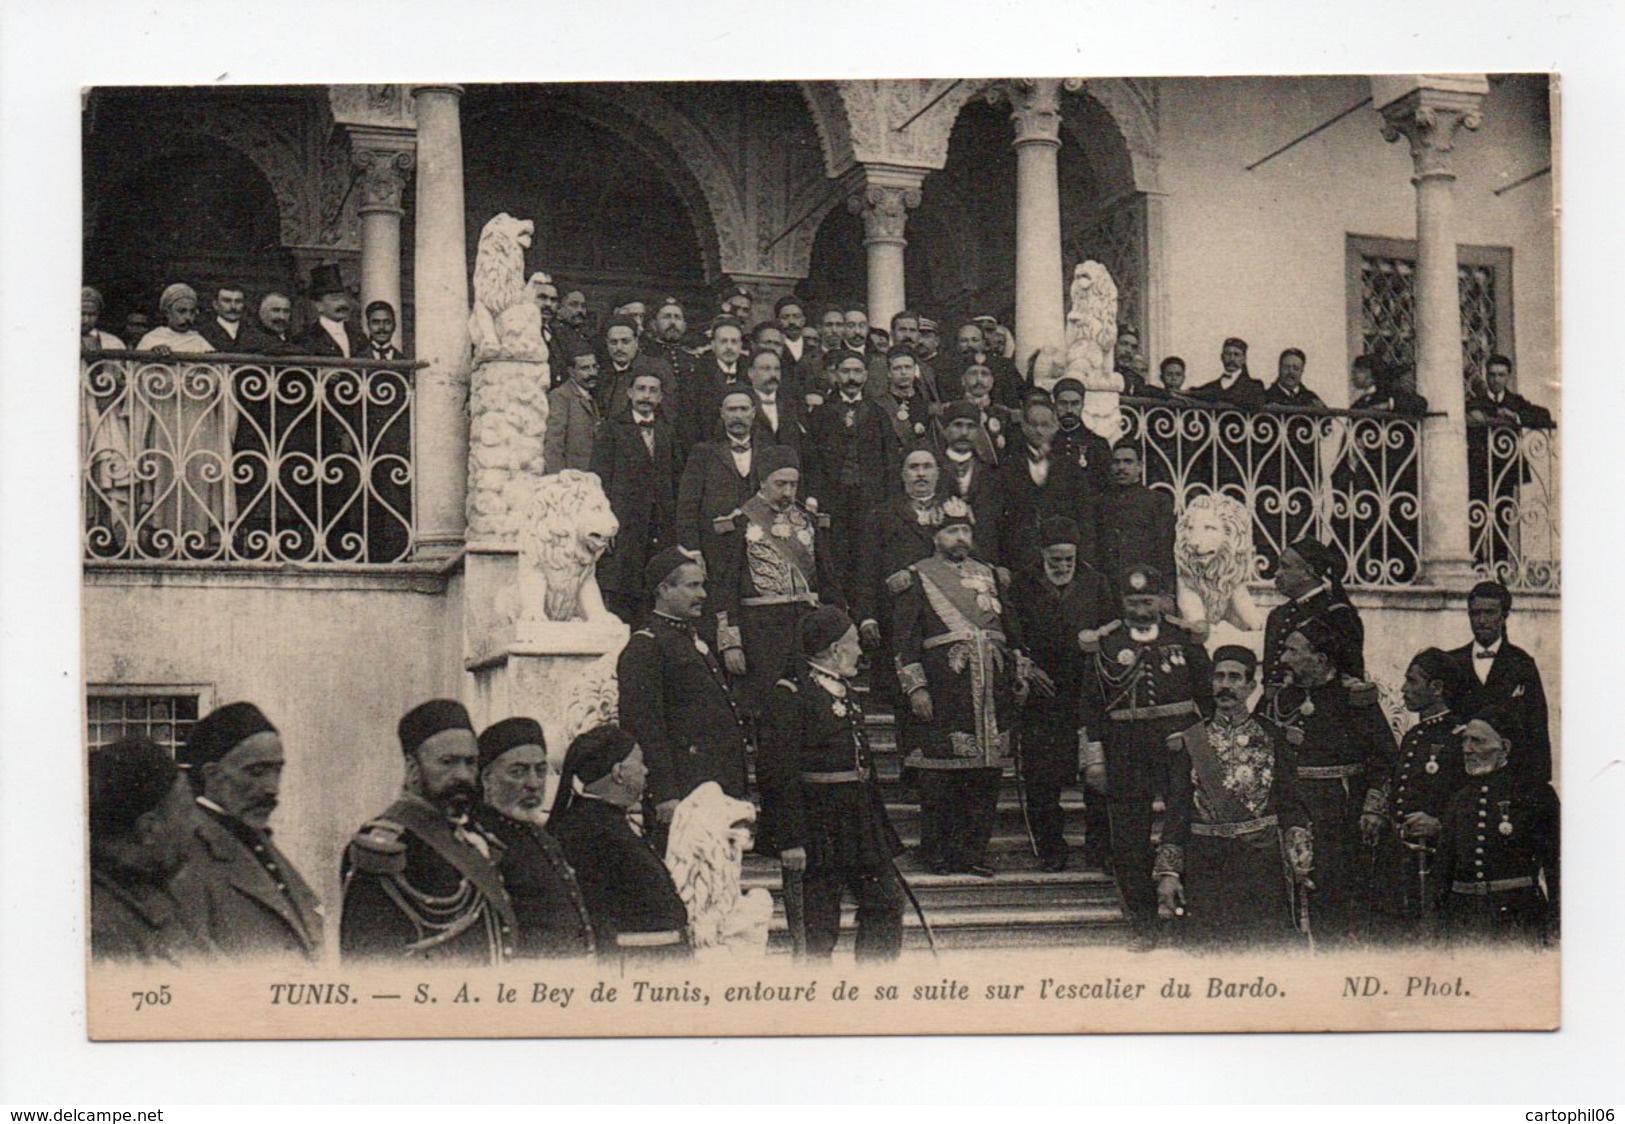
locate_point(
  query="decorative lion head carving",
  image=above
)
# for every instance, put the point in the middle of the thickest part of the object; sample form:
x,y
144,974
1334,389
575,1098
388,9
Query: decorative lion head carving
x,y
564,532
1091,327
505,323
710,833
1213,549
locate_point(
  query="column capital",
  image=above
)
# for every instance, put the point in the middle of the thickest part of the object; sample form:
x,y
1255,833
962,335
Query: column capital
x,y
1035,106
1428,116
884,202
383,172
451,88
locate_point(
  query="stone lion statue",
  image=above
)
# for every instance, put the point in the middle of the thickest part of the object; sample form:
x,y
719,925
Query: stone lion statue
x,y
1091,344
505,322
1213,551
562,533
710,832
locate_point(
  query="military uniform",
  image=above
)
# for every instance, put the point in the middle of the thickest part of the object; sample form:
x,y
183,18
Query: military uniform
x,y
779,570
675,700
1139,690
548,907
628,891
956,639
819,792
240,889
418,886
1051,618
1233,821
1498,860
1137,529
139,922
1512,682
1289,616
1426,774
1345,760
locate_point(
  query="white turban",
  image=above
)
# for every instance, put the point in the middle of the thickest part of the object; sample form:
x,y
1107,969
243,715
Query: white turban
x,y
173,293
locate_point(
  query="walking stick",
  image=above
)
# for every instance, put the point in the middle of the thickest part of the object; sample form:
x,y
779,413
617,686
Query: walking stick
x,y
795,915
908,891
1021,792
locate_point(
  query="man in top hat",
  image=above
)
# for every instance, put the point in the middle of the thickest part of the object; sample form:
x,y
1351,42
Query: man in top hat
x,y
959,659
636,456
1236,849
1427,772
1057,595
1345,761
968,477
140,819
1307,576
635,909
331,333
781,567
238,888
675,696
1495,670
1235,389
1498,872
845,447
822,810
550,912
1146,677
421,880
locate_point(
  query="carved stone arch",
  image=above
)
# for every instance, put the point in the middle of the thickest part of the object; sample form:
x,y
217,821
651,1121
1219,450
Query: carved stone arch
x,y
690,162
828,112
1132,105
816,200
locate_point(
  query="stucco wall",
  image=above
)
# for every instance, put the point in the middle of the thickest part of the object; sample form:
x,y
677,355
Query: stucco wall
x,y
1261,254
334,664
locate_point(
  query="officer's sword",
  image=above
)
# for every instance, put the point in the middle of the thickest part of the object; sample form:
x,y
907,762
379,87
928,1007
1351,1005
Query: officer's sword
x,y
1021,792
795,911
908,891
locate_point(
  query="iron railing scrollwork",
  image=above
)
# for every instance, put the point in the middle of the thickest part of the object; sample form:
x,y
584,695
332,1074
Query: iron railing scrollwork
x,y
1513,505
246,459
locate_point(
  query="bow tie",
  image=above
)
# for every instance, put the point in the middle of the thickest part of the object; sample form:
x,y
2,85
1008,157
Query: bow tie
x,y
1036,457
737,447
642,424
1481,654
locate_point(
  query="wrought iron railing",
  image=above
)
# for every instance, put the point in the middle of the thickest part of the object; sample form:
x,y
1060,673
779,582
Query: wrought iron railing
x,y
1349,478
1513,505
246,459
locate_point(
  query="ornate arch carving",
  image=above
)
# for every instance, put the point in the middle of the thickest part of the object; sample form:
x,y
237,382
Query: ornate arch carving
x,y
1132,103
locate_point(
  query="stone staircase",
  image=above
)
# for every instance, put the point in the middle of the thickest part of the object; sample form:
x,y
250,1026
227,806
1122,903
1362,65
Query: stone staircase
x,y
1022,907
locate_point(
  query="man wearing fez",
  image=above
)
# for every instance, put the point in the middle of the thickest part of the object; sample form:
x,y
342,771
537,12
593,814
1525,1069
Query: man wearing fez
x,y
1145,678
1498,844
845,447
718,477
626,362
1426,774
1235,388
960,663
1497,671
547,902
421,881
1076,441
1057,595
1345,760
675,697
665,340
140,817
966,477
637,458
822,810
1236,849
1307,576
781,566
237,887
630,896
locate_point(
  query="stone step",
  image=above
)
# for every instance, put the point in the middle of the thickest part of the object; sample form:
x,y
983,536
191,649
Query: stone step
x,y
1016,884
989,927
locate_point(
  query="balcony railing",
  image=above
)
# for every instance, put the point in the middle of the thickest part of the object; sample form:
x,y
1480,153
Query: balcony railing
x,y
246,459
1513,505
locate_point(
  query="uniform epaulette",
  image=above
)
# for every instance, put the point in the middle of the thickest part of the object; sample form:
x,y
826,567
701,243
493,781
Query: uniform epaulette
x,y
1362,694
900,581
645,632
378,848
789,685
723,524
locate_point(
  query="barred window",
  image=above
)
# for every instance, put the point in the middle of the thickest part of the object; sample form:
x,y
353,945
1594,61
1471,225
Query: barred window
x,y
164,713
1382,306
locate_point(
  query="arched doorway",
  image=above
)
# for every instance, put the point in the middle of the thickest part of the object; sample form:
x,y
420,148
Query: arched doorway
x,y
604,195
202,213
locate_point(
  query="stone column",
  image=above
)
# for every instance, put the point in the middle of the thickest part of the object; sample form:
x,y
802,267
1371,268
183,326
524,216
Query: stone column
x,y
885,201
440,279
382,159
1035,111
1427,110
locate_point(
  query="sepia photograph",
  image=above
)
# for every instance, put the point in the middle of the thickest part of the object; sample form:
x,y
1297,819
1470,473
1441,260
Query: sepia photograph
x,y
902,556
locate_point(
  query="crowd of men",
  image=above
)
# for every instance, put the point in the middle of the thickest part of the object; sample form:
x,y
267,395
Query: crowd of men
x,y
804,508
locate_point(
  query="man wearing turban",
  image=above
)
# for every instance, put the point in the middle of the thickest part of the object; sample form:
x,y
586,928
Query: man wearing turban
x,y
421,880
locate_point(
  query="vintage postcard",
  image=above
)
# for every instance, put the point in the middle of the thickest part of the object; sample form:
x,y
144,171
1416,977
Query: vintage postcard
x,y
911,556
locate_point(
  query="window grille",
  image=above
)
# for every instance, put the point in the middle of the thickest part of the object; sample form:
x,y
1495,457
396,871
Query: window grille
x,y
166,713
